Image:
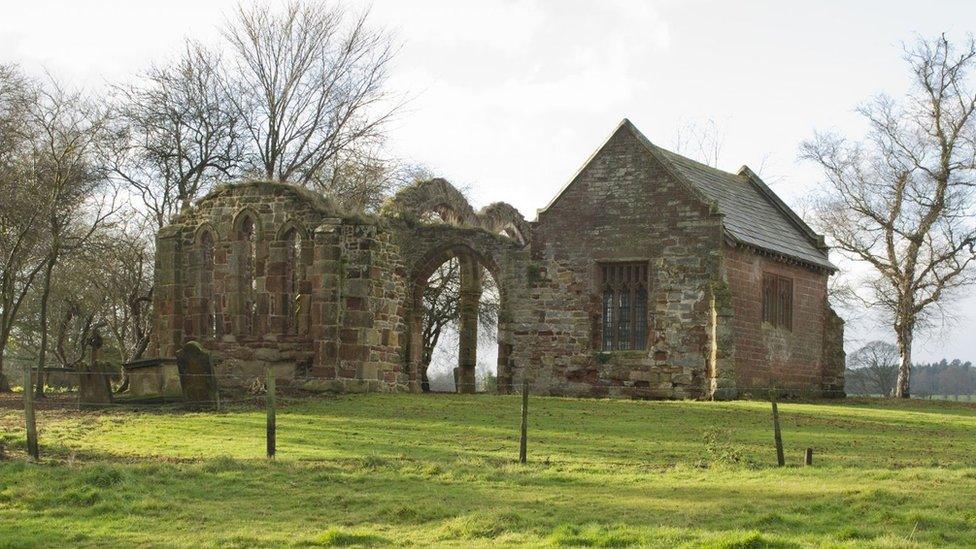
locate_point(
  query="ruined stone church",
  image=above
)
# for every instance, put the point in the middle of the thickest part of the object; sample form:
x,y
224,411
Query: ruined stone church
x,y
649,275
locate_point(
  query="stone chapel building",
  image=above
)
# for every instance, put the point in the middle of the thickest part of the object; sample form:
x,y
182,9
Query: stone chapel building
x,y
649,275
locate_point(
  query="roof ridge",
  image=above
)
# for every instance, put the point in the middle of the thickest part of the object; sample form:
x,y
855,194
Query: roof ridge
x,y
653,150
749,177
742,199
696,162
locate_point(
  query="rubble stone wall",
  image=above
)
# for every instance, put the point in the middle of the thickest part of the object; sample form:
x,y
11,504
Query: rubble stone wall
x,y
625,206
339,327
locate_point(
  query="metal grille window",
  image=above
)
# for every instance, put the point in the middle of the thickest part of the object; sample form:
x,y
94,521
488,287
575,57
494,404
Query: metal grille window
x,y
608,328
777,304
624,306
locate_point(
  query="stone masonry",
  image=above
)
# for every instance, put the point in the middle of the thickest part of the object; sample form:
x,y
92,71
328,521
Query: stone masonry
x,y
270,276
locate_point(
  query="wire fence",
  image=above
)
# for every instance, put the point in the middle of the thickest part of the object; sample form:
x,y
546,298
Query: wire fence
x,y
99,390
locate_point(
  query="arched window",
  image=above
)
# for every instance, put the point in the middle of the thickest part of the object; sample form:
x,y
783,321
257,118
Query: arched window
x,y
249,280
207,303
293,277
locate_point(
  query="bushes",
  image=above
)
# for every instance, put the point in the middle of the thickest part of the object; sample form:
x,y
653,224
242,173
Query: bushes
x,y
718,451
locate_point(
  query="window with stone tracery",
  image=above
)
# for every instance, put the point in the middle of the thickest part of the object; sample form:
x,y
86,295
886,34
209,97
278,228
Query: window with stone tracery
x,y
249,281
207,305
292,281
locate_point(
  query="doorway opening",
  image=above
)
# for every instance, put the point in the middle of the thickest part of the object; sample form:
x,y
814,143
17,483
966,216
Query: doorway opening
x,y
458,340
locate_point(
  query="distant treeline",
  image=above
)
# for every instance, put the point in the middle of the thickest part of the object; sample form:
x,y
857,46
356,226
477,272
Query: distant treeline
x,y
947,379
944,378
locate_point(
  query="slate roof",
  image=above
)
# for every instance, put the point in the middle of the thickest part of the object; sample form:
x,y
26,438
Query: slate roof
x,y
753,214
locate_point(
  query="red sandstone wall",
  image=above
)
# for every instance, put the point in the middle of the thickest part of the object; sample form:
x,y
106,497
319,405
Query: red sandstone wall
x,y
766,356
347,337
624,206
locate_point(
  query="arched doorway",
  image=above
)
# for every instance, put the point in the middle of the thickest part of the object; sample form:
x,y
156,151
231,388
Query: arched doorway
x,y
457,302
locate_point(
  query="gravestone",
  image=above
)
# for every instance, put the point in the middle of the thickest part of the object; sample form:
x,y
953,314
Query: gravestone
x,y
196,375
94,387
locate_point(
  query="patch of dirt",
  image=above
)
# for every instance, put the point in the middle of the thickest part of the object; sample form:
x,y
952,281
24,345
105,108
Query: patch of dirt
x,y
52,401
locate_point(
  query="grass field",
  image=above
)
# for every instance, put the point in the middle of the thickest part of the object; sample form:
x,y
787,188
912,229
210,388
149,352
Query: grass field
x,y
420,470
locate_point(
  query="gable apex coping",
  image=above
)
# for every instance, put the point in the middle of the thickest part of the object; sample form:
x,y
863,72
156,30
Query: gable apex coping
x,y
651,149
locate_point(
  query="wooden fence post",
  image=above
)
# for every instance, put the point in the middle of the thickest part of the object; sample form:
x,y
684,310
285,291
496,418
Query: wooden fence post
x,y
777,436
270,399
808,457
525,419
32,449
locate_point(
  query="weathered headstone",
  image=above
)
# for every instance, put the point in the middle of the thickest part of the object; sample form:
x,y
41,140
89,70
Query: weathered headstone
x,y
196,375
94,387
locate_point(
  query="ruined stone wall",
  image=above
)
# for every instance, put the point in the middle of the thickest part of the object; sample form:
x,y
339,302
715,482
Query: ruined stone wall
x,y
244,346
340,310
339,323
834,357
426,246
624,206
768,356
357,309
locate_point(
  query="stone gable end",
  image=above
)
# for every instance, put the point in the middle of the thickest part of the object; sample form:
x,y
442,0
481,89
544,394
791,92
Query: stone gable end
x,y
624,206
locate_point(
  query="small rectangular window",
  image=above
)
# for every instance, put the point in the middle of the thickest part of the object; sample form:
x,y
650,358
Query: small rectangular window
x,y
777,301
624,318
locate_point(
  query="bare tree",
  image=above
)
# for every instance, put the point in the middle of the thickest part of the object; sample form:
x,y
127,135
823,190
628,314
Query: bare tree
x,y
68,135
442,310
701,141
307,84
104,285
75,309
127,284
176,133
901,201
361,179
877,364
21,240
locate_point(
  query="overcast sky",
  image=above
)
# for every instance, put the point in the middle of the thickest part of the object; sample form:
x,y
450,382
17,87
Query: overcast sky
x,y
509,98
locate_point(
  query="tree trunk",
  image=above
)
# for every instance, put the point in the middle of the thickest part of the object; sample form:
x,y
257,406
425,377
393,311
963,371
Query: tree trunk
x,y
4,335
42,351
4,384
136,355
905,365
424,380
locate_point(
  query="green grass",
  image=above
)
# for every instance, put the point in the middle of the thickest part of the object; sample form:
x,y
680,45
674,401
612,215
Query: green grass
x,y
421,470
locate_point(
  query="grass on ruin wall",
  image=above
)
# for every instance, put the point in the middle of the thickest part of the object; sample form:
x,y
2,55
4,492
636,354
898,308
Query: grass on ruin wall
x,y
410,469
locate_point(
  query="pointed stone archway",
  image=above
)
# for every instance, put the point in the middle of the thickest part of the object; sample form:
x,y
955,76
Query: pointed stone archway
x,y
471,264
